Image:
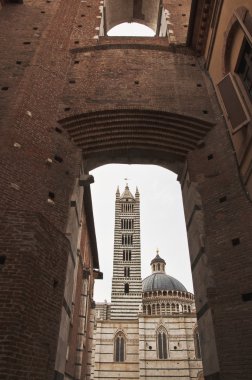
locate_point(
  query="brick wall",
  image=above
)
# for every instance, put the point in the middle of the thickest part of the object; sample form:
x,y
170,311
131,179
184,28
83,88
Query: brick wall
x,y
141,72
44,46
32,281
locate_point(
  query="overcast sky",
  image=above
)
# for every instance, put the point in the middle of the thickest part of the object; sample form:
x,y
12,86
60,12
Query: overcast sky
x,y
131,29
162,220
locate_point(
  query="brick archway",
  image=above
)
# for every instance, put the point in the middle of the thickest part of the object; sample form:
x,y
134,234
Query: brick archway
x,y
199,152
135,135
66,68
119,11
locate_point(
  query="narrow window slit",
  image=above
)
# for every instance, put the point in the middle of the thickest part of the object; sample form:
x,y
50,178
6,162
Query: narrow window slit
x,y
57,129
235,241
51,195
58,158
247,297
2,259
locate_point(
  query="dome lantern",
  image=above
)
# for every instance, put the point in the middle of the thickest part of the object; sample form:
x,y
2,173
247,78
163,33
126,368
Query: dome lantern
x,y
158,264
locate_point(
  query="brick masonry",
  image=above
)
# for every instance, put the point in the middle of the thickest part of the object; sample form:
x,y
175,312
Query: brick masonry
x,y
32,281
44,46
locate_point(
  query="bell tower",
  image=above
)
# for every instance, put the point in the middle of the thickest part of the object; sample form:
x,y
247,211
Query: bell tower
x,y
126,283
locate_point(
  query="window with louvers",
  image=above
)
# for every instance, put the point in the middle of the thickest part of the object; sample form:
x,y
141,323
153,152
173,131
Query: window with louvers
x,y
234,109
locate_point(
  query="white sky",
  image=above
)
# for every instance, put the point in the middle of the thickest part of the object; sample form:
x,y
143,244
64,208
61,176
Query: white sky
x,y
131,29
162,215
162,220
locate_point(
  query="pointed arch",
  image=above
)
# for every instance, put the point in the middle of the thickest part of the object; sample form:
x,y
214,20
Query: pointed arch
x,y
149,310
153,309
163,308
162,343
119,347
200,375
197,347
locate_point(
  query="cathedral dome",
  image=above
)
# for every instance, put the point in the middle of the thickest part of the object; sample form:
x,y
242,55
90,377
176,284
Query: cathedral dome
x,y
161,281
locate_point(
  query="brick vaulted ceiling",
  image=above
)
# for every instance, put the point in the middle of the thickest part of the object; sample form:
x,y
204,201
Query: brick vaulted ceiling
x,y
163,134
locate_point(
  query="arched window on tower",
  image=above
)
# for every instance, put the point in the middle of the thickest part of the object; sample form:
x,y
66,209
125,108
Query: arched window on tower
x,y
197,344
162,308
119,347
126,271
126,288
162,343
149,309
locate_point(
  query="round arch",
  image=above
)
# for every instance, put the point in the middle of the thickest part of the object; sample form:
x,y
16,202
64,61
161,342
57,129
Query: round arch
x,y
229,37
144,12
135,136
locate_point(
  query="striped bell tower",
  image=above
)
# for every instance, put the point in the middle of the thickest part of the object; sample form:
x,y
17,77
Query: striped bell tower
x,y
126,283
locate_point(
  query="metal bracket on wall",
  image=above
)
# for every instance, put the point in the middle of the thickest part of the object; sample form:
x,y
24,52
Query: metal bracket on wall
x,y
86,179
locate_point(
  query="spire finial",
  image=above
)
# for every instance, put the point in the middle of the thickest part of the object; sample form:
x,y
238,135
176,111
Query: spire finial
x,y
127,185
157,251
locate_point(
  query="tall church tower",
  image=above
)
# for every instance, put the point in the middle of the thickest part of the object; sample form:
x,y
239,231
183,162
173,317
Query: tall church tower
x,y
126,283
